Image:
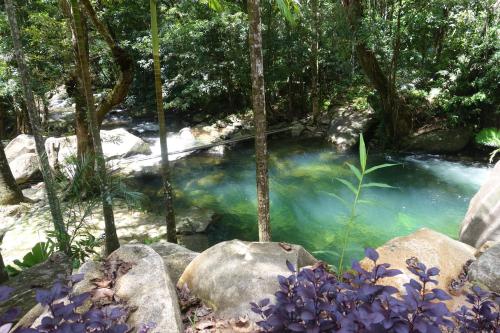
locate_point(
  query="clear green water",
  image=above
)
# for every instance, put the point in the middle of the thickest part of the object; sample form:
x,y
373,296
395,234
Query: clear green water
x,y
430,192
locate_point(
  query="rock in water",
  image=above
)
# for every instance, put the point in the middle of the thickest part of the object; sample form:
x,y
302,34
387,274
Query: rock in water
x,y
439,140
194,220
346,126
175,257
482,220
20,145
430,248
148,287
486,269
231,274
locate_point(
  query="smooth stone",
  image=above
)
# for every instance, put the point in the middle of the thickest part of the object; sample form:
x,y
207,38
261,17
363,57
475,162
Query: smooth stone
x,y
431,248
229,275
486,269
482,220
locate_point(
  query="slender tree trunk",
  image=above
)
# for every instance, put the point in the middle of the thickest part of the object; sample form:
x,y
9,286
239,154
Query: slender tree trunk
x,y
315,61
165,165
259,111
84,146
9,191
4,277
48,178
121,58
395,115
112,242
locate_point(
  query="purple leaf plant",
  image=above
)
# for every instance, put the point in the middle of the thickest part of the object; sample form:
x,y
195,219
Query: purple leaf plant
x,y
314,300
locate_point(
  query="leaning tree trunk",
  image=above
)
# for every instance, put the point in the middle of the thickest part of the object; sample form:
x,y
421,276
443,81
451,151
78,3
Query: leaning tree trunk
x,y
165,166
4,276
9,191
48,178
396,118
112,242
120,57
259,112
315,61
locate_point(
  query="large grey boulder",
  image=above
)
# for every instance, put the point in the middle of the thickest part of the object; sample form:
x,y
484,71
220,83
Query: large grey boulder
x,y
116,143
442,140
482,220
486,269
25,167
175,257
20,145
148,287
346,126
229,275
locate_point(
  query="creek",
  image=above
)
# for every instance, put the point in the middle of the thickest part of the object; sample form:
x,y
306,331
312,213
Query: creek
x,y
429,191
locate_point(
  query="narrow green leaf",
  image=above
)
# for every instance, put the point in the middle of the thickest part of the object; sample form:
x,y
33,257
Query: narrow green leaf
x,y
382,185
348,184
338,198
380,166
354,170
367,202
362,152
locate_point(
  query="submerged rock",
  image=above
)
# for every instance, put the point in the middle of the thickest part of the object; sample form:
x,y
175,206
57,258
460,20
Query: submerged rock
x,y
194,220
482,220
440,140
231,274
346,126
486,269
175,257
430,248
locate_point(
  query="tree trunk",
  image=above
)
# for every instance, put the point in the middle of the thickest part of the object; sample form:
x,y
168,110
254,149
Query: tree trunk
x,y
9,191
121,58
315,61
259,111
74,87
107,204
4,277
395,117
48,178
165,165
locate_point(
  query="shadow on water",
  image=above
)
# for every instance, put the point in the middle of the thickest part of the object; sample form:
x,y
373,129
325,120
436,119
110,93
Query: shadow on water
x,y
430,192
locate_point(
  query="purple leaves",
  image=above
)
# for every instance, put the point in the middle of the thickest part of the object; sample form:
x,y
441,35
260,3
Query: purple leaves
x,y
314,300
371,254
64,317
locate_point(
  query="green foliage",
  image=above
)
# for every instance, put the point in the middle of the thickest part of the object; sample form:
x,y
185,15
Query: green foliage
x,y
489,137
80,191
38,254
357,189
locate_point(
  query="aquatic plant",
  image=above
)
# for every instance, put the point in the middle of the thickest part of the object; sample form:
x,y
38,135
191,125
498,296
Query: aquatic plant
x,y
316,300
356,189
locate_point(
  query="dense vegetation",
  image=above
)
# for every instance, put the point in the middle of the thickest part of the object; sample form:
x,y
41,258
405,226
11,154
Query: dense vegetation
x,y
440,57
421,67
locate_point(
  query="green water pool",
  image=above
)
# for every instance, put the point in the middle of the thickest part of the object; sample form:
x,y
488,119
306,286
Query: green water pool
x,y
429,192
